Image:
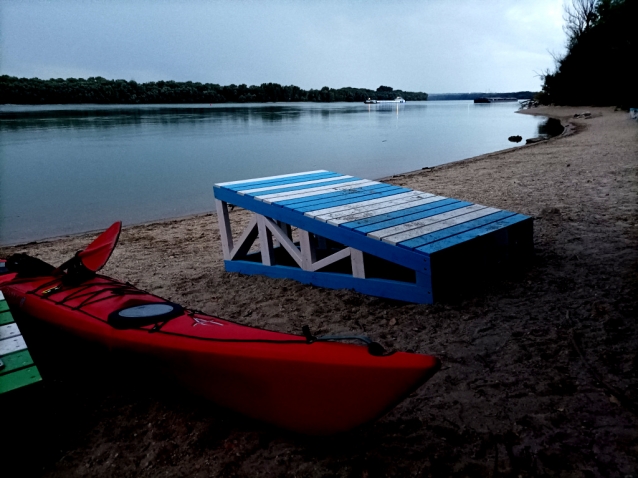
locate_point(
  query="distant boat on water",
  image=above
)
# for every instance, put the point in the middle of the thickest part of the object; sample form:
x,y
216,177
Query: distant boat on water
x,y
493,100
398,99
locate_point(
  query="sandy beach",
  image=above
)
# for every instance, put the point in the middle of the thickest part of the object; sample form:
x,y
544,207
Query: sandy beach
x,y
540,370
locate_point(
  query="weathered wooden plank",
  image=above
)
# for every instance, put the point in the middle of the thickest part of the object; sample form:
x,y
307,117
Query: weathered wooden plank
x,y
304,187
16,361
448,205
291,186
373,214
453,230
411,228
3,305
338,211
376,192
473,234
282,181
13,344
401,216
328,197
451,222
269,198
6,317
9,330
18,379
249,181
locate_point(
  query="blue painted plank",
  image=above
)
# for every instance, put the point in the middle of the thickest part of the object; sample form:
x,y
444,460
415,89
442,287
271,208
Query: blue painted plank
x,y
379,193
397,214
411,259
306,186
451,231
306,201
351,196
472,234
396,290
414,217
275,182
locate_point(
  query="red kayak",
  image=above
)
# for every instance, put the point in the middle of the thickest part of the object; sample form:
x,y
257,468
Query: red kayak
x,y
312,385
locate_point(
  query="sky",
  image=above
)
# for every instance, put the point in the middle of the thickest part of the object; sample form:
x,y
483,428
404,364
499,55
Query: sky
x,y
434,46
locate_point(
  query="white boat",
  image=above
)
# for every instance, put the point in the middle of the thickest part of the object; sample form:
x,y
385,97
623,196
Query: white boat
x,y
398,99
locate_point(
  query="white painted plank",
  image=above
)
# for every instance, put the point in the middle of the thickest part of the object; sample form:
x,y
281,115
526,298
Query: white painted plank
x,y
1,295
242,239
310,191
408,226
356,259
270,198
421,231
265,242
364,203
10,330
225,232
331,259
284,240
14,344
267,178
292,185
308,250
384,210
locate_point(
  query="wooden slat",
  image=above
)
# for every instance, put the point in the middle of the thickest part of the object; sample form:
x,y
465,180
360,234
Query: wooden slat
x,y
383,218
269,198
328,198
16,361
352,196
14,344
293,185
473,234
376,210
19,379
303,187
248,181
453,230
9,330
446,222
338,211
6,317
282,181
436,209
413,225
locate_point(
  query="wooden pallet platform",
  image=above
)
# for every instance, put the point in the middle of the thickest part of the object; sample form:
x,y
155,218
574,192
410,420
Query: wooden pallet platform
x,y
17,369
376,238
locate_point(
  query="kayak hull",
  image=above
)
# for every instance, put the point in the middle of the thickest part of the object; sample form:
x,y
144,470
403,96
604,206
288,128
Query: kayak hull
x,y
316,388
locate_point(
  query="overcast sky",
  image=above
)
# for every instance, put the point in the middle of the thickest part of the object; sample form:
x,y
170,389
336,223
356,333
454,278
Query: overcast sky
x,y
430,45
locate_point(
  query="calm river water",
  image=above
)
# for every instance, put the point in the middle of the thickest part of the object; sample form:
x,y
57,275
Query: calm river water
x,y
76,168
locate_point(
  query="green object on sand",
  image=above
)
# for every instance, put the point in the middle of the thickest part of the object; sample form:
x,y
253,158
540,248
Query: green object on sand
x,y
17,369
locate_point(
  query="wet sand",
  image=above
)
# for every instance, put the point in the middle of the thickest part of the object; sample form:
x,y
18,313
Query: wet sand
x,y
540,371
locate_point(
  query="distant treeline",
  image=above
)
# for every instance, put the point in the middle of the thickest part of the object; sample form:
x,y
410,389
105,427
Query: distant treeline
x,y
602,52
34,91
519,95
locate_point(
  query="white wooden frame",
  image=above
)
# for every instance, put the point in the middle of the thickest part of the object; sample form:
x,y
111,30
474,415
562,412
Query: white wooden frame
x,y
270,233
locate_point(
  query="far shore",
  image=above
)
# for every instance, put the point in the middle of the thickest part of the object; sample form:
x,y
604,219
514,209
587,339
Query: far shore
x,y
539,369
